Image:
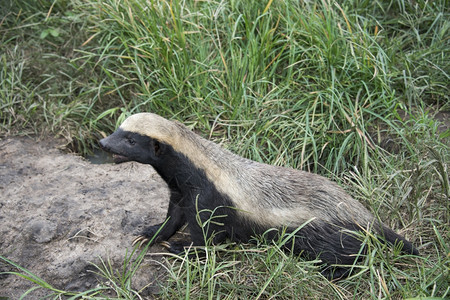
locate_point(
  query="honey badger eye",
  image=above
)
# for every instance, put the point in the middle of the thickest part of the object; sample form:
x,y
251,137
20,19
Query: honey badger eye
x,y
131,141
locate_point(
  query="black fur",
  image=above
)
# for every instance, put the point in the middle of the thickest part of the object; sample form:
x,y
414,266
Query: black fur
x,y
192,195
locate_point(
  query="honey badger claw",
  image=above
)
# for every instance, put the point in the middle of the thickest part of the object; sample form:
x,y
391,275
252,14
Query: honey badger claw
x,y
165,244
140,240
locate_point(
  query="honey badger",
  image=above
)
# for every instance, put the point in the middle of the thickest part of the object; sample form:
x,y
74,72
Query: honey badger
x,y
244,198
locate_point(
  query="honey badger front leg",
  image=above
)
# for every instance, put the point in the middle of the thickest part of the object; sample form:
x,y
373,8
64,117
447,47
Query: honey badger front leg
x,y
175,219
206,222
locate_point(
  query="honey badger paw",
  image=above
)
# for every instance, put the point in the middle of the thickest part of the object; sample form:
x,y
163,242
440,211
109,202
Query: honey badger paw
x,y
177,247
335,273
149,234
185,249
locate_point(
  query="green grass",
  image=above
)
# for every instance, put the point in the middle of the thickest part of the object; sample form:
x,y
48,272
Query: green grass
x,y
348,90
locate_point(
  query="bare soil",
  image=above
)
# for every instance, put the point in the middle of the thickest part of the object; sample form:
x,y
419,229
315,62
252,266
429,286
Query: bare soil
x,y
59,214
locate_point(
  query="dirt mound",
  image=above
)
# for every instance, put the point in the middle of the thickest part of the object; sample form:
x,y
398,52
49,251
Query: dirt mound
x,y
59,213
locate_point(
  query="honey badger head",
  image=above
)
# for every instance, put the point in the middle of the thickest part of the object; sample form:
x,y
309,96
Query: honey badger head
x,y
250,197
128,146
137,139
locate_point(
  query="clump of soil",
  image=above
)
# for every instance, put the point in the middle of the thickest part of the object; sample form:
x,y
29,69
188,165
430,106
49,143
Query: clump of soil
x,y
59,213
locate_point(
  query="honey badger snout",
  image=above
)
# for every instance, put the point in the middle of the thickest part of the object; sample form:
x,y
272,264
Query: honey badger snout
x,y
107,145
104,144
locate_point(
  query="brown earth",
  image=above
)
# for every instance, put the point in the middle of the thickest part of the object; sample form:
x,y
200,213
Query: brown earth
x,y
59,213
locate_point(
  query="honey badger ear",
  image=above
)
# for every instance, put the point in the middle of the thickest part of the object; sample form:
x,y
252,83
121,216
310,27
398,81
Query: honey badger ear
x,y
157,148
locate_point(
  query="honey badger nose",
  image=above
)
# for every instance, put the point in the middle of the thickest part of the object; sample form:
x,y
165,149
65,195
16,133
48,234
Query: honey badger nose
x,y
103,144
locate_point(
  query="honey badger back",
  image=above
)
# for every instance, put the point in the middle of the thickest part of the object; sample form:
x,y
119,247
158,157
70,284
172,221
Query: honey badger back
x,y
243,197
